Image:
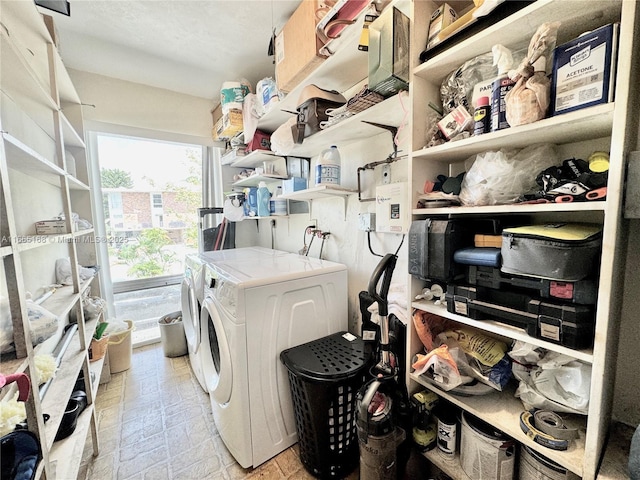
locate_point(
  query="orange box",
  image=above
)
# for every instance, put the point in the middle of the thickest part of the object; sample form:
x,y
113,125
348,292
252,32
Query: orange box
x,y
229,125
488,241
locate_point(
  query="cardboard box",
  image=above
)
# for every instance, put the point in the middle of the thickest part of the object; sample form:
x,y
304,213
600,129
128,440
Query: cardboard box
x,y
230,124
293,185
440,19
389,53
584,70
51,227
216,113
297,47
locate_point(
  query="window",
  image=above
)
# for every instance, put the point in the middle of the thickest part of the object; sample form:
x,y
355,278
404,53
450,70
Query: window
x,y
151,192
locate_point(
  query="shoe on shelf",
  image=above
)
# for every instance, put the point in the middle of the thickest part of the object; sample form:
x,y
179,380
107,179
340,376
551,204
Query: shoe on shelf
x,y
77,404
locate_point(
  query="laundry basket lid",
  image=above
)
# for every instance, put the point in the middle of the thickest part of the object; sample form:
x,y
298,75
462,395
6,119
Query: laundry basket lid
x,y
333,357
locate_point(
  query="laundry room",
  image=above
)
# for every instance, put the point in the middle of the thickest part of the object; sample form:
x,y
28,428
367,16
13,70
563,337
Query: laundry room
x,y
335,239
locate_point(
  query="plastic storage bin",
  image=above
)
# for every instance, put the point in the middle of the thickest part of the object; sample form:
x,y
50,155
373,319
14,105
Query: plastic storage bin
x,y
120,349
325,376
174,341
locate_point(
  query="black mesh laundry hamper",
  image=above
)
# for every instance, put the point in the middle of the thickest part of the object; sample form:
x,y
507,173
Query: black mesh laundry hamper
x,y
325,376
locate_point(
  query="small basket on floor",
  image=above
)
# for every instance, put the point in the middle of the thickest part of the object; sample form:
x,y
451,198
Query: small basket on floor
x,y
98,348
325,376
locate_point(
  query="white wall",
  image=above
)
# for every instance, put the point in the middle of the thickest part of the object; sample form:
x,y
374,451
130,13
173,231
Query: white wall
x,y
111,103
346,244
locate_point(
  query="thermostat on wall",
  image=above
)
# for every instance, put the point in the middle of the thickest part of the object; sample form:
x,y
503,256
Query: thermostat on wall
x,y
391,208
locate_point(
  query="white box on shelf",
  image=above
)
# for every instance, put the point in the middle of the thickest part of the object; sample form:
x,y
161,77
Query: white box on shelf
x,y
51,227
294,184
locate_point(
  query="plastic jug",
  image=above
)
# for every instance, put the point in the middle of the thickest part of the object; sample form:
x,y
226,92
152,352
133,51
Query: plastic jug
x,y
328,167
263,200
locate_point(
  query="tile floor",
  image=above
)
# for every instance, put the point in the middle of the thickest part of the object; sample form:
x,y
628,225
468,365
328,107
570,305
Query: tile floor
x,y
155,423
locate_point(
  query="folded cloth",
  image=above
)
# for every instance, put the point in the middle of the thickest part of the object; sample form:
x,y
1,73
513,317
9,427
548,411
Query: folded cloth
x,y
396,303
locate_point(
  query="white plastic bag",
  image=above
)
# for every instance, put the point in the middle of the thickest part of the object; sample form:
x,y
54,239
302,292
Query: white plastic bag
x,y
282,141
497,178
249,118
6,327
43,323
232,210
63,272
550,380
440,364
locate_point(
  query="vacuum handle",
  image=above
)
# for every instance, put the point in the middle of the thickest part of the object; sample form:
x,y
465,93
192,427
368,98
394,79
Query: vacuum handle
x,y
384,269
366,399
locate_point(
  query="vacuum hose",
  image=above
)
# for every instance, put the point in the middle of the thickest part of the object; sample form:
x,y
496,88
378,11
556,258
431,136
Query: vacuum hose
x,y
383,270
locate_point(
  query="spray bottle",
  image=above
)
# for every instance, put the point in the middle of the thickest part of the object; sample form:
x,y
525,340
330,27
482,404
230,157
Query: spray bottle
x,y
501,85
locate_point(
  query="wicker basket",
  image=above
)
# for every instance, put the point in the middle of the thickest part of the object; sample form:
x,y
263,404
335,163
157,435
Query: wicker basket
x,y
98,348
364,99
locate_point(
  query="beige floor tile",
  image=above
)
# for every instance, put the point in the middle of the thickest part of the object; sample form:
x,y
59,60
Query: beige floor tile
x,y
155,423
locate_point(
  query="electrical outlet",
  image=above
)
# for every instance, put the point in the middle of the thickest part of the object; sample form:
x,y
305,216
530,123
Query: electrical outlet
x,y
367,222
386,174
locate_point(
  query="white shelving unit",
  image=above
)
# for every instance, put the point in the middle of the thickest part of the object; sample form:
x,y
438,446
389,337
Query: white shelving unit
x,y
40,121
319,192
608,127
344,71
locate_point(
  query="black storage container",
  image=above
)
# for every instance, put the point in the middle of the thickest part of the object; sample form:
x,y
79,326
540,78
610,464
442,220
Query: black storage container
x,y
582,291
560,251
432,244
325,376
566,324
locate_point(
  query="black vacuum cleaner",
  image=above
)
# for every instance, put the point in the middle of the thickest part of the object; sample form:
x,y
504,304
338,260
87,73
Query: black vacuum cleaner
x,y
383,407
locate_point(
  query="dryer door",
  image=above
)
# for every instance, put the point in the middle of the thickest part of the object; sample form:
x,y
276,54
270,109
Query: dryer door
x,y
190,314
216,358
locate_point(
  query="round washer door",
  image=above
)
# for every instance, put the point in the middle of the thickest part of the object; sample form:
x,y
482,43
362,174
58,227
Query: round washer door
x,y
215,354
190,314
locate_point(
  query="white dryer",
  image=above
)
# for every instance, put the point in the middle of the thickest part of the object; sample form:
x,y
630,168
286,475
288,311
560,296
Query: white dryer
x,y
254,308
191,296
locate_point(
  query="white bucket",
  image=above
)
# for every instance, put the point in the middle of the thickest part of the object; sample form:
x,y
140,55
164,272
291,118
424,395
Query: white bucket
x,y
534,466
485,453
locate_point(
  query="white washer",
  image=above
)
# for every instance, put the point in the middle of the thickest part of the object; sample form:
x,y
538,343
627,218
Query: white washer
x,y
191,296
254,308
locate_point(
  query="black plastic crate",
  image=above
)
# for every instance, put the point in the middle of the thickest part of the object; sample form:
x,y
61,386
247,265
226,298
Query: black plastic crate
x,y
325,376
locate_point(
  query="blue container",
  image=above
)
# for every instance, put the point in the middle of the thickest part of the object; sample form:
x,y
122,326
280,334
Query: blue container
x,y
251,202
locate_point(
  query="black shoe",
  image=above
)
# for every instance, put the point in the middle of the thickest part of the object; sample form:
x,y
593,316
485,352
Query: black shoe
x,y
77,404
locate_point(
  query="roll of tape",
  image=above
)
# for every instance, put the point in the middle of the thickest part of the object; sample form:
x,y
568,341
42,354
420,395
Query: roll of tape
x,y
527,424
552,424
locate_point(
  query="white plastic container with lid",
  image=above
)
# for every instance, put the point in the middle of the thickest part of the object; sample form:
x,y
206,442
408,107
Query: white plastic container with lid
x,y
264,196
278,205
328,167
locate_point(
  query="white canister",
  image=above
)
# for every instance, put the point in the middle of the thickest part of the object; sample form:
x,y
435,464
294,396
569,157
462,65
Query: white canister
x,y
484,451
534,466
232,96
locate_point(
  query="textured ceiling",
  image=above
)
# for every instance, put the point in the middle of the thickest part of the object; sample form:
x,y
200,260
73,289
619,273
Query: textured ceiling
x,y
188,46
